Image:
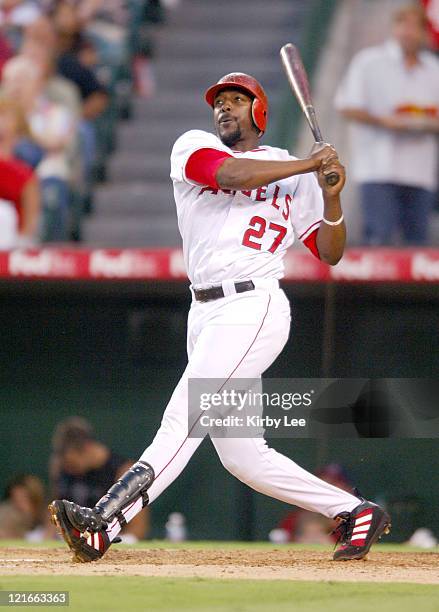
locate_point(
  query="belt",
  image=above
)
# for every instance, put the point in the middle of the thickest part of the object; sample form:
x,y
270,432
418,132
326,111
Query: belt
x,y
217,291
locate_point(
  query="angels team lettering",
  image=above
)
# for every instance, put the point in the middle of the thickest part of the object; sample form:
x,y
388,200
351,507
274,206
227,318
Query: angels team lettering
x,y
283,204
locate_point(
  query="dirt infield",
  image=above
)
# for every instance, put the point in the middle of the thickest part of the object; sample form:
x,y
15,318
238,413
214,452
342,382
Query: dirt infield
x,y
284,564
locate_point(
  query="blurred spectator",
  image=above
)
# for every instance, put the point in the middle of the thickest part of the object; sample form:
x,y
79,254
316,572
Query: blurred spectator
x,y
78,62
391,94
19,185
22,513
53,128
15,16
83,469
20,143
307,527
70,44
107,26
39,45
69,65
432,12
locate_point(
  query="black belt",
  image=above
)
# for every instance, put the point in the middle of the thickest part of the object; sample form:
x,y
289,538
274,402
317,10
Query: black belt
x,y
216,292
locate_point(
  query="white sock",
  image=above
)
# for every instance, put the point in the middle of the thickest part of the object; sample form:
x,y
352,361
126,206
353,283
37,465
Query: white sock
x,y
129,513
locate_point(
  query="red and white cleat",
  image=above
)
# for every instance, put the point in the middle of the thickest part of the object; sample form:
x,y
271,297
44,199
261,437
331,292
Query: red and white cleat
x,y
359,529
81,529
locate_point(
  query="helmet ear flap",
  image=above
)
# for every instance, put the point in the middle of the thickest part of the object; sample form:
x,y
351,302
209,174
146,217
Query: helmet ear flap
x,y
259,114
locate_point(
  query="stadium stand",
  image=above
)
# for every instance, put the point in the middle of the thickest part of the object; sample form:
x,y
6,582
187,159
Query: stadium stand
x,y
70,65
192,48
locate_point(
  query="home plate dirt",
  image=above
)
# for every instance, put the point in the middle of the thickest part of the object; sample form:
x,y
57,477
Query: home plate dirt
x,y
282,563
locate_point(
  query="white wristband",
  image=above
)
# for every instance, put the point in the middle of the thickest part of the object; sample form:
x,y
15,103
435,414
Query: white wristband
x,y
334,222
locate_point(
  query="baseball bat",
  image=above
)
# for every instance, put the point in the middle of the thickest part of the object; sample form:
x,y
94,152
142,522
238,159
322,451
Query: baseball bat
x,y
298,80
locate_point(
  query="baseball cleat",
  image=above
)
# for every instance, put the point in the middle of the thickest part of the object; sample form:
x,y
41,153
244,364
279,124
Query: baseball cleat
x,y
359,529
82,529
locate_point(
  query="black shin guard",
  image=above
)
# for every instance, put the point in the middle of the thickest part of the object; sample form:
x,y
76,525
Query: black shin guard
x,y
133,485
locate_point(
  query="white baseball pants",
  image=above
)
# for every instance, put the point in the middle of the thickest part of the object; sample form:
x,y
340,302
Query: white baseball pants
x,y
236,336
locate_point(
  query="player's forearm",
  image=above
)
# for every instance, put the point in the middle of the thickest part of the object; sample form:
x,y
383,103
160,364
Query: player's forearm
x,y
253,173
331,239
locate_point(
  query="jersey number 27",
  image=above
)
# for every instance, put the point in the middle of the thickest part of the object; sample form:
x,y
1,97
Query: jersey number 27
x,y
257,229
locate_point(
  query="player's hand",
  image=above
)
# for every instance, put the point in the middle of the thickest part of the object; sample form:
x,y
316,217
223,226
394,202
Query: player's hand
x,y
327,159
321,151
331,164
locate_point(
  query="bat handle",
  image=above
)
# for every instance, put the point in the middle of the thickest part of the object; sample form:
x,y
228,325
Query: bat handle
x,y
332,179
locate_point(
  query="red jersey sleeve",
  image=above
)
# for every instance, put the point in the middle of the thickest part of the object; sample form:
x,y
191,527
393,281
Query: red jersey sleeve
x,y
202,166
311,243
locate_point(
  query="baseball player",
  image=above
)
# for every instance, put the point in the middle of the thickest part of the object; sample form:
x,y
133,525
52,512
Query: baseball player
x,y
239,205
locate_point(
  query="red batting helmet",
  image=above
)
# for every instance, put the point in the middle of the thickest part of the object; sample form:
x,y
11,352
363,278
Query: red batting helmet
x,y
251,86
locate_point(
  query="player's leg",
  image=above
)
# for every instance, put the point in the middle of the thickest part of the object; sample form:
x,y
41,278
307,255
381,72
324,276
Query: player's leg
x,y
221,337
90,531
221,334
253,462
250,459
267,471
271,473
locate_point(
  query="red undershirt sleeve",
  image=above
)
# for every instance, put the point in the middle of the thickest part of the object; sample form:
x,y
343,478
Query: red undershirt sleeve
x,y
311,243
202,166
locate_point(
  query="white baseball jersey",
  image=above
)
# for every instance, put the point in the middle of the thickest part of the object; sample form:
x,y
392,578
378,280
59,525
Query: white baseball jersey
x,y
235,235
